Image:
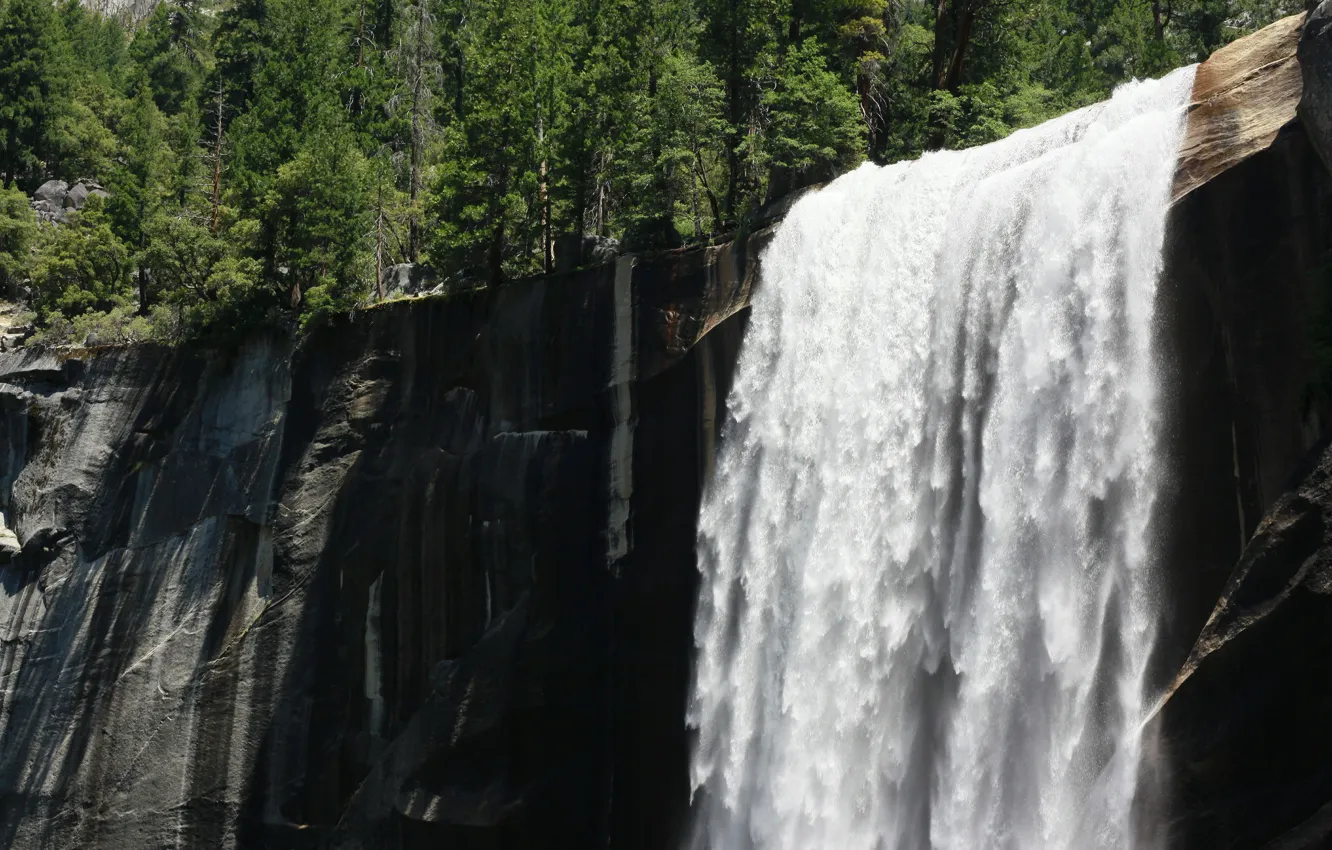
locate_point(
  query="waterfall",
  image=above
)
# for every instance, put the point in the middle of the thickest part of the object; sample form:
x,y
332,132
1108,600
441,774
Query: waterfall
x,y
928,605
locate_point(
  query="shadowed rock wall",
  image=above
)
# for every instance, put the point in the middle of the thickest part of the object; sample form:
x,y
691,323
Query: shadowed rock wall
x,y
1242,732
429,578
1245,259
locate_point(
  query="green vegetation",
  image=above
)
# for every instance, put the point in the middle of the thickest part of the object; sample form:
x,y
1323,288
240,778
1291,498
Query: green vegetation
x,y
265,160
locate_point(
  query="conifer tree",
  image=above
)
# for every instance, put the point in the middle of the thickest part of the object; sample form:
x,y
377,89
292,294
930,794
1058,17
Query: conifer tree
x,y
141,180
268,160
18,233
82,266
29,88
815,127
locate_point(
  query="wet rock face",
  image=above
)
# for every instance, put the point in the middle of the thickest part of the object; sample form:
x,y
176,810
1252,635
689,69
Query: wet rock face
x,y
1244,743
1239,299
427,580
1245,730
138,482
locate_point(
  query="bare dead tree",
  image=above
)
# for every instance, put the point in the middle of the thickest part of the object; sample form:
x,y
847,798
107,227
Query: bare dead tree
x,y
218,116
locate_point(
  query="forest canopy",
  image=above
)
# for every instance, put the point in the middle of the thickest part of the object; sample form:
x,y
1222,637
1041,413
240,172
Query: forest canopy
x,y
255,162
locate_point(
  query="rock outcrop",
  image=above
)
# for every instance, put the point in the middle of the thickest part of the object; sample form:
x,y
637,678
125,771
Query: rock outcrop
x,y
54,200
9,543
428,579
407,279
1243,96
573,250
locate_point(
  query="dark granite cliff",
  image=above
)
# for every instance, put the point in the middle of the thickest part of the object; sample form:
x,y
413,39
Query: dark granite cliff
x,y
1243,731
427,579
1248,240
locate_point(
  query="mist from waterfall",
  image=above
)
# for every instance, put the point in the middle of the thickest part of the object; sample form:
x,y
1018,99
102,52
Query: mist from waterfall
x,y
928,598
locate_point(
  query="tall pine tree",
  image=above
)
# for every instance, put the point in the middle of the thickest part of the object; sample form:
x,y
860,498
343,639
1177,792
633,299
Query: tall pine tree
x,y
29,88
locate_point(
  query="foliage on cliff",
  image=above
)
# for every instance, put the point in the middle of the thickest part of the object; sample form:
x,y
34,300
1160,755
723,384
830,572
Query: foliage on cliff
x,y
267,159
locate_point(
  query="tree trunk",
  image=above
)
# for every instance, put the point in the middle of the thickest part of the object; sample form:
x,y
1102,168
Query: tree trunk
x,y
497,252
379,236
543,202
734,111
360,36
356,104
954,77
863,86
712,196
459,71
940,55
418,132
496,248
217,165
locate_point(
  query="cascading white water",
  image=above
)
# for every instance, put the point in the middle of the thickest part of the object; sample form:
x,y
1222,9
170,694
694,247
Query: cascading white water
x,y
927,603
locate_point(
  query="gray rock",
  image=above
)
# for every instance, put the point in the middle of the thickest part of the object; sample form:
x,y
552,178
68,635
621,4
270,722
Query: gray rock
x,y
1259,683
408,279
602,249
574,251
9,542
53,192
1315,55
48,212
77,197
258,550
55,200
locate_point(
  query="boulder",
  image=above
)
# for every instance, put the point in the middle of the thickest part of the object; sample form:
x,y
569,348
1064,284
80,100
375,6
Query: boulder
x,y
1315,55
48,202
52,192
575,250
654,234
600,249
55,200
77,197
9,542
47,212
408,279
